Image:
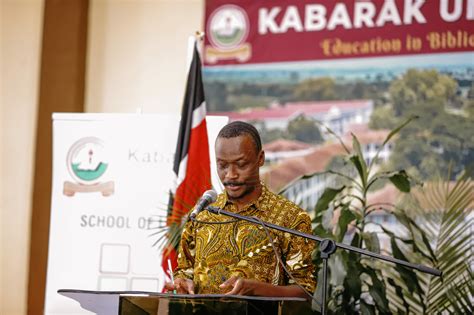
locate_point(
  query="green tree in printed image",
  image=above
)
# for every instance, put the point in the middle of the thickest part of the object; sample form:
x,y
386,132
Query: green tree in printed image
x,y
300,128
316,89
305,130
444,133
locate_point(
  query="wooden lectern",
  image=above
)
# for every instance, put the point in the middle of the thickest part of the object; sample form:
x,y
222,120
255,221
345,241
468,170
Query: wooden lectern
x,y
150,303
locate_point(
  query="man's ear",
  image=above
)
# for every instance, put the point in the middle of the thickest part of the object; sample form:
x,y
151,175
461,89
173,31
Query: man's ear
x,y
261,158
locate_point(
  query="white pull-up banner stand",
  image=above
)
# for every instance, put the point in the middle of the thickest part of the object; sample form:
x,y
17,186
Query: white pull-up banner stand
x,y
112,174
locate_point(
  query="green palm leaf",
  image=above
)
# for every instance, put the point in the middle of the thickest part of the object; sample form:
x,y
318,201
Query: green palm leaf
x,y
444,224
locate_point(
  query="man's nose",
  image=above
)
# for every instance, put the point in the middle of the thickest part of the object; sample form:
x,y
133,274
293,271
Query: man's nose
x,y
232,172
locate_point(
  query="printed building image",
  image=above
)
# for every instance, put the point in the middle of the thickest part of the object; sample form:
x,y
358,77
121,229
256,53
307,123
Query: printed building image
x,y
287,161
336,115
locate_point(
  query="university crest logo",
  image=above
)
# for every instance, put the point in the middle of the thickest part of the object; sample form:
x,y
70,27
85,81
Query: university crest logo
x,y
228,29
87,163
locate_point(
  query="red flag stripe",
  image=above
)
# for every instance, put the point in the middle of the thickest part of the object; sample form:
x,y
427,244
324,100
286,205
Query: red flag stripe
x,y
197,176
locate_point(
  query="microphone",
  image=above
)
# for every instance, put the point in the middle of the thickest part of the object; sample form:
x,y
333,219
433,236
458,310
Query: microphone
x,y
209,197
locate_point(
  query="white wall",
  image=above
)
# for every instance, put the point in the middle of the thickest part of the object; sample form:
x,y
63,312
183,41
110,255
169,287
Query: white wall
x,y
136,58
137,53
21,24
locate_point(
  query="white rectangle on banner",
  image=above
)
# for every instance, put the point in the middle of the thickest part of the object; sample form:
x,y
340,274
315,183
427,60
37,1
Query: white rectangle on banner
x,y
112,174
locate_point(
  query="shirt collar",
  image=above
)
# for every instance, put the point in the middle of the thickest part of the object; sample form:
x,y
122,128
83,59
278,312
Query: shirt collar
x,y
261,203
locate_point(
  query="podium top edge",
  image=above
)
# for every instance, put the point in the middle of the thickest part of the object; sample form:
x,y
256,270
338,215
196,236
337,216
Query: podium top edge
x,y
66,292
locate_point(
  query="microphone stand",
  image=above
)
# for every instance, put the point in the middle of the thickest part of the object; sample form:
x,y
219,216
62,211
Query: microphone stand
x,y
327,247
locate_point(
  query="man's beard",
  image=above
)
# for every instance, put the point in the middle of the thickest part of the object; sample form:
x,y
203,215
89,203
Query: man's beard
x,y
249,188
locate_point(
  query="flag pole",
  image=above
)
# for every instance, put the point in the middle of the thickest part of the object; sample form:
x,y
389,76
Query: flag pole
x,y
193,40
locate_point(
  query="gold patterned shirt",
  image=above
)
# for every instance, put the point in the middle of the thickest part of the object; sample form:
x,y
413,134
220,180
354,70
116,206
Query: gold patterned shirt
x,y
209,254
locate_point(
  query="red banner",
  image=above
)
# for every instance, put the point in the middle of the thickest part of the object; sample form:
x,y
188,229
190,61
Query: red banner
x,y
249,31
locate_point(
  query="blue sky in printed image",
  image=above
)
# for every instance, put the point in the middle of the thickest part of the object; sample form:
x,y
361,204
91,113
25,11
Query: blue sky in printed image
x,y
460,65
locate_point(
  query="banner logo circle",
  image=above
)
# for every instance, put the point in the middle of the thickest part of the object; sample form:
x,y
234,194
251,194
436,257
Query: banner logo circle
x,y
228,27
87,161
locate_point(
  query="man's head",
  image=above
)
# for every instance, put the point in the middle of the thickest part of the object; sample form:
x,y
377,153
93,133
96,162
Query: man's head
x,y
239,156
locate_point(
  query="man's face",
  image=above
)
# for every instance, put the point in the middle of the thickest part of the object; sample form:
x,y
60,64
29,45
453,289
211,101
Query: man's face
x,y
238,164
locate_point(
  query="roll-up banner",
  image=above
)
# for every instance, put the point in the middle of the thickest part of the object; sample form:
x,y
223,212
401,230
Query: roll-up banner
x,y
112,174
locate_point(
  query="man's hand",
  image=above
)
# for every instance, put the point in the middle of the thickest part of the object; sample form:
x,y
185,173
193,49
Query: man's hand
x,y
182,286
239,286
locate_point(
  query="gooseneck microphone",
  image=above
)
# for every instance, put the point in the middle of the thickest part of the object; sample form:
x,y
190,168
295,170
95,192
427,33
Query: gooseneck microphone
x,y
207,198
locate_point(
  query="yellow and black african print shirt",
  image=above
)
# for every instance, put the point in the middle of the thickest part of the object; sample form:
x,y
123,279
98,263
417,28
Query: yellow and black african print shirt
x,y
209,254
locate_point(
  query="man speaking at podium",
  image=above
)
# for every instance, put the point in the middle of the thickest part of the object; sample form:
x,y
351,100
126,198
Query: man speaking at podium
x,y
237,258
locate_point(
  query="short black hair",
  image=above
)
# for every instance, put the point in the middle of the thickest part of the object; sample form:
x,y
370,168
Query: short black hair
x,y
239,128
